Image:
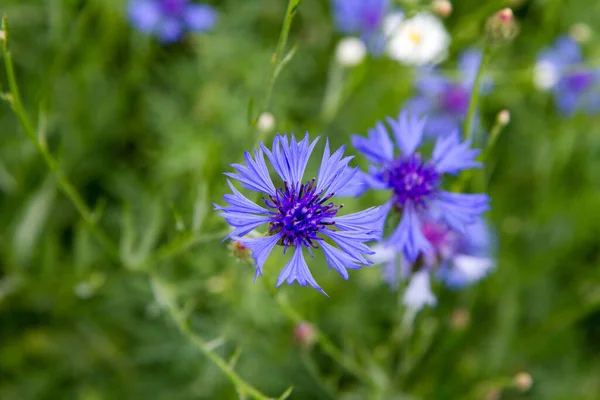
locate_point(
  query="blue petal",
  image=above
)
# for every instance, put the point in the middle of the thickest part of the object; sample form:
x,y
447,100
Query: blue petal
x,y
334,170
451,156
468,64
254,175
431,83
339,260
356,186
459,209
352,243
465,269
408,131
169,30
260,248
200,17
408,237
296,270
377,147
279,160
243,222
367,220
240,203
144,14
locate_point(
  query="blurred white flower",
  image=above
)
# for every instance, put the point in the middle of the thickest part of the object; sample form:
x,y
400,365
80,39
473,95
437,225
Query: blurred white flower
x,y
419,40
545,75
418,293
266,122
350,52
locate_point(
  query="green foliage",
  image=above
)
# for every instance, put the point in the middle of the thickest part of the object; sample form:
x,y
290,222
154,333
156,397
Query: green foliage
x,y
143,133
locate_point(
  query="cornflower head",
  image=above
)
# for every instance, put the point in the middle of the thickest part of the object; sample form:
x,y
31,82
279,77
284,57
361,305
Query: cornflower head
x,y
445,100
455,259
168,20
363,18
415,181
300,213
575,87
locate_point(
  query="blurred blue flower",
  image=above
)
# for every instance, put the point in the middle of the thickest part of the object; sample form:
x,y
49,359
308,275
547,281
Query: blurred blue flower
x,y
415,182
575,87
299,215
443,99
364,18
168,20
456,259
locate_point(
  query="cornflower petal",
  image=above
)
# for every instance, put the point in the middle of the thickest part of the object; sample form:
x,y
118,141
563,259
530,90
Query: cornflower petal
x,y
243,223
351,243
144,14
260,248
451,156
279,160
296,270
408,131
367,220
240,203
331,167
459,210
418,293
254,175
339,260
377,147
408,237
200,17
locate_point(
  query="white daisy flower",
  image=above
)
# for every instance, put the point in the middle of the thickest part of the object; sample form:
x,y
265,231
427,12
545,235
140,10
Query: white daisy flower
x,y
419,40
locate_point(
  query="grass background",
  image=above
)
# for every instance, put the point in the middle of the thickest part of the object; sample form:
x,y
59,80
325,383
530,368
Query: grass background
x,y
145,131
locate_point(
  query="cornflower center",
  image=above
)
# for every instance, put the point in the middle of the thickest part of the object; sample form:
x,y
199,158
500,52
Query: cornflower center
x,y
455,100
173,8
579,81
300,214
412,180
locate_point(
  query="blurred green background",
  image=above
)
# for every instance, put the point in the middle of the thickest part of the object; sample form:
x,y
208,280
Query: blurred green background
x,y
145,131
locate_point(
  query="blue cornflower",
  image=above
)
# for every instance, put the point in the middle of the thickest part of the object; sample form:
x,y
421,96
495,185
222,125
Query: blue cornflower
x,y
170,19
415,182
299,214
456,259
443,99
574,86
363,18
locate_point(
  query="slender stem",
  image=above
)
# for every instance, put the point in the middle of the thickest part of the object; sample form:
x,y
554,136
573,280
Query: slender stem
x,y
179,318
467,133
326,344
278,59
180,245
67,188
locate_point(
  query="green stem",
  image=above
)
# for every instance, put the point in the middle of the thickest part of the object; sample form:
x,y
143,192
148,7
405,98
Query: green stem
x,y
67,188
323,340
180,320
468,127
180,245
278,60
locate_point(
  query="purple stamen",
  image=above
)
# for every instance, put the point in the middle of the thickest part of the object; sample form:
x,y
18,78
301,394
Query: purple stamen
x,y
412,180
300,214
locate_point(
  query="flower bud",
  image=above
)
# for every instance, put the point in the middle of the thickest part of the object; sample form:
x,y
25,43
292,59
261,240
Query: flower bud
x,y
240,252
305,336
580,32
2,35
266,122
460,318
350,52
443,8
501,27
503,118
523,381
